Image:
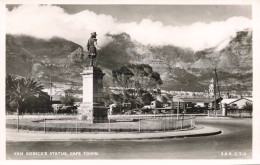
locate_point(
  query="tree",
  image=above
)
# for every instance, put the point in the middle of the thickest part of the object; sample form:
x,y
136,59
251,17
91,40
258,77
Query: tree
x,y
22,93
136,80
248,106
145,98
11,105
68,99
164,99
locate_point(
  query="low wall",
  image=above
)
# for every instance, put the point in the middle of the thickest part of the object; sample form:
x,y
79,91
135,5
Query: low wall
x,y
169,124
239,113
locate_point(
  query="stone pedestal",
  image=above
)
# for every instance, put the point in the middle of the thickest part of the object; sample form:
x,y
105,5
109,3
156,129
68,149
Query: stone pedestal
x,y
92,108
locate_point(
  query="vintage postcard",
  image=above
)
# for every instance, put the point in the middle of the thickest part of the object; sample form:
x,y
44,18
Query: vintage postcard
x,y
126,81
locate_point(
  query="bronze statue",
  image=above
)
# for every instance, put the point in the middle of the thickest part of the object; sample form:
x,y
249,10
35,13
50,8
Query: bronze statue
x,y
92,48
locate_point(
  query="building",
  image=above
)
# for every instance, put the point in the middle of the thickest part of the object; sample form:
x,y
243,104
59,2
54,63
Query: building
x,y
177,102
56,99
238,103
202,102
56,103
236,107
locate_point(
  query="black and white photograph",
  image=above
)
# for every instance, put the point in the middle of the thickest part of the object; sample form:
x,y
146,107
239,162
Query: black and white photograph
x,y
129,81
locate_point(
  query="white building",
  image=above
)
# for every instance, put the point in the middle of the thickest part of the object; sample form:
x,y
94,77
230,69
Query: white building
x,y
238,102
235,105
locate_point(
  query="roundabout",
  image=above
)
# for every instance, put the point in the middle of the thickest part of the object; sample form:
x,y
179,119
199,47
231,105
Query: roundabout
x,y
60,128
12,135
235,137
124,123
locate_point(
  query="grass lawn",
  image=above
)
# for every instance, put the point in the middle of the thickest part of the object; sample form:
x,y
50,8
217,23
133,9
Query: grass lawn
x,y
71,124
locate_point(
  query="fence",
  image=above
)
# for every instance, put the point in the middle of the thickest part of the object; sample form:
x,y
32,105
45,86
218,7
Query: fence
x,y
123,123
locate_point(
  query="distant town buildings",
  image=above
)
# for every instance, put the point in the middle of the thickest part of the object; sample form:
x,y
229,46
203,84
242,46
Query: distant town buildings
x,y
58,88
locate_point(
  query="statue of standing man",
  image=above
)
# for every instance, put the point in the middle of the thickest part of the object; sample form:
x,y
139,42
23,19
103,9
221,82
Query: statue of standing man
x,y
92,48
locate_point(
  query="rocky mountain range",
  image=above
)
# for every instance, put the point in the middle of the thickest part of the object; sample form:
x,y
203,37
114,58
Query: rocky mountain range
x,y
180,68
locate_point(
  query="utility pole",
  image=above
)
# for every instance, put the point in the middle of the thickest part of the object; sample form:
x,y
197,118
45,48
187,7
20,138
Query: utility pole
x,y
178,110
209,102
216,87
215,92
50,90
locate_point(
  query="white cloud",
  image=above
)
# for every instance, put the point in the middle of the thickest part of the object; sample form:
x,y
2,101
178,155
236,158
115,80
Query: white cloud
x,y
47,21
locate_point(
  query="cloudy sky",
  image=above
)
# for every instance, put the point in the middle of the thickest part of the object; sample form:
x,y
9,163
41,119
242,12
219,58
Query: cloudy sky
x,y
196,27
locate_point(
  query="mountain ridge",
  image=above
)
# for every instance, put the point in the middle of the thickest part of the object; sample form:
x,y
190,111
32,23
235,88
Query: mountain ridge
x,y
180,68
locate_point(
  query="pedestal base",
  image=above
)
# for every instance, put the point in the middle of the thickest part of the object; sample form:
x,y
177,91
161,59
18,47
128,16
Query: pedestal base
x,y
92,113
92,109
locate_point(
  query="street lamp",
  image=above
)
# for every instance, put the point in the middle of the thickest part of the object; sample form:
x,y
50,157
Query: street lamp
x,y
178,109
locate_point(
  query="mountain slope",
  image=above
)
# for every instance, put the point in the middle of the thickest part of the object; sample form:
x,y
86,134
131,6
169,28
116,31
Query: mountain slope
x,y
180,69
184,69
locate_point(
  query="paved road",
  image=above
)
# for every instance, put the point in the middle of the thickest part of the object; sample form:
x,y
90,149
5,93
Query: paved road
x,y
234,143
